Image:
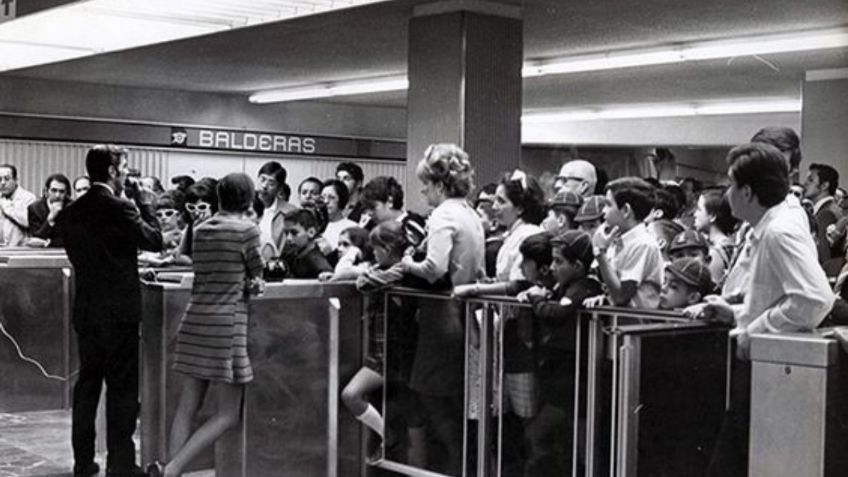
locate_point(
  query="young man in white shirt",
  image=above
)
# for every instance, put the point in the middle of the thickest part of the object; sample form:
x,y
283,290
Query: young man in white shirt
x,y
789,291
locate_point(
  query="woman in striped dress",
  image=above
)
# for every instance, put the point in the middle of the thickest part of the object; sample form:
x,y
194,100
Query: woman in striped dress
x,y
212,338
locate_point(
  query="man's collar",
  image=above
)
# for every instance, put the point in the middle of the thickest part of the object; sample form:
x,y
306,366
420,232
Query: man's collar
x,y
821,203
105,185
771,212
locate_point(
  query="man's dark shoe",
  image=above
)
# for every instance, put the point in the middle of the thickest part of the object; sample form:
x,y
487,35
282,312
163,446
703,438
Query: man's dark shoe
x,y
134,471
86,470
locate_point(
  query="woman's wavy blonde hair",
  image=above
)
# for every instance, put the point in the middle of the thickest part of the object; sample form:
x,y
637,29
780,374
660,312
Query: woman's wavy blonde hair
x,y
447,164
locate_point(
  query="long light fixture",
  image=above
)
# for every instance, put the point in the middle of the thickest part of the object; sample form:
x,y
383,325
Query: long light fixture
x,y
665,110
90,27
697,51
326,90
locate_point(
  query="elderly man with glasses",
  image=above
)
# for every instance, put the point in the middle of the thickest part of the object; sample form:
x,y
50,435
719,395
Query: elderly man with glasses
x,y
578,176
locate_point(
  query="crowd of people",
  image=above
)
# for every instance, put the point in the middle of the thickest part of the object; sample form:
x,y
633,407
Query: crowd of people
x,y
763,252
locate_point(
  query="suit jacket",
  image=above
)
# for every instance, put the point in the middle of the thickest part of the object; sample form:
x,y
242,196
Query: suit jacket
x,y
827,214
37,213
102,235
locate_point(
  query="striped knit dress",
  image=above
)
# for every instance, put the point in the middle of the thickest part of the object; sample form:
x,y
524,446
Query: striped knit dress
x,y
212,337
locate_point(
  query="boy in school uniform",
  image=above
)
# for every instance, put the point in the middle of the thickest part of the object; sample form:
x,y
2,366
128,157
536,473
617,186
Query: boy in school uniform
x,y
690,243
629,258
562,208
556,312
301,255
687,282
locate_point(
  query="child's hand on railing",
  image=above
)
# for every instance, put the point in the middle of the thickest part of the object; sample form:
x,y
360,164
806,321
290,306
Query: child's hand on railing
x,y
464,291
595,301
714,308
325,276
256,286
534,292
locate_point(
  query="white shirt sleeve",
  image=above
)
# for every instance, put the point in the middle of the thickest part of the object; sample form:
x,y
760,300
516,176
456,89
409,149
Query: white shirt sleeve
x,y
806,298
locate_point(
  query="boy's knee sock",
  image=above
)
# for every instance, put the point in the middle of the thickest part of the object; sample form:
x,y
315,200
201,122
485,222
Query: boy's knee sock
x,y
371,418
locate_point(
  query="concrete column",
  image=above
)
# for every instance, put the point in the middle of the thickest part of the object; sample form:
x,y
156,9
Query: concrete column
x,y
823,120
464,73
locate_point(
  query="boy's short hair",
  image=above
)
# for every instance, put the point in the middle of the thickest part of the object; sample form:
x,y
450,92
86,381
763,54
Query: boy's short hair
x,y
575,246
353,169
688,239
693,273
379,189
762,168
665,201
236,192
537,248
592,209
389,235
634,191
784,139
303,217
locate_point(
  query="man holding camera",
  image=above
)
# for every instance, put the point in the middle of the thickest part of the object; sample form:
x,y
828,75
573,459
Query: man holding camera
x,y
102,233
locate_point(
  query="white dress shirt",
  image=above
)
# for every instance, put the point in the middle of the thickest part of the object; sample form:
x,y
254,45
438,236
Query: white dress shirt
x,y
508,263
788,288
14,220
637,258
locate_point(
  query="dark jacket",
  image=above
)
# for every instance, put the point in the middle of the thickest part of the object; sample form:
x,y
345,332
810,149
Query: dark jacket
x,y
307,263
37,214
102,235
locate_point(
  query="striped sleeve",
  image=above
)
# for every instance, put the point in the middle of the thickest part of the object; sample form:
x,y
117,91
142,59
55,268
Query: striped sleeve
x,y
374,280
252,255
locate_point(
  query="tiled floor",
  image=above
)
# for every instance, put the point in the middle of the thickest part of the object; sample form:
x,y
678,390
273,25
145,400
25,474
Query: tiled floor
x,y
39,444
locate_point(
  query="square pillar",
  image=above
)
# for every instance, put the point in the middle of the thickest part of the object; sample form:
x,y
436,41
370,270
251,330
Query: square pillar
x,y
465,60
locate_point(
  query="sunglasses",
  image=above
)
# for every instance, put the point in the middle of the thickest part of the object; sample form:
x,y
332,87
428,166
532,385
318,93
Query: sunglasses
x,y
198,207
165,213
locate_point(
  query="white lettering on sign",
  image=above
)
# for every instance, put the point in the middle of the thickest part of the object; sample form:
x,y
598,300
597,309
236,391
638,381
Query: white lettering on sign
x,y
255,142
7,10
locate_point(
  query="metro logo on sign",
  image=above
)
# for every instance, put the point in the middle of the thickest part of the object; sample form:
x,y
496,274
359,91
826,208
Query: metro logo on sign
x,y
7,10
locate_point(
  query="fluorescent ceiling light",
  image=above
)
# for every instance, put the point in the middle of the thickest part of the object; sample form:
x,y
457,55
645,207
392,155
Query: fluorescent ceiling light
x,y
326,90
90,27
698,51
665,110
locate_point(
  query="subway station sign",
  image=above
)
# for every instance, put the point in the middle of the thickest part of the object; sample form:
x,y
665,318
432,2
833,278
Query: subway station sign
x,y
8,10
31,127
284,143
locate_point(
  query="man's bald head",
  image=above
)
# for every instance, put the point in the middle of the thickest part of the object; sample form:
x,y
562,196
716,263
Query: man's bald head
x,y
577,176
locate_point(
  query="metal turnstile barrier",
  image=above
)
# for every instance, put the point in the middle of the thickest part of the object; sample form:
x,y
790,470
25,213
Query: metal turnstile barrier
x,y
799,411
656,393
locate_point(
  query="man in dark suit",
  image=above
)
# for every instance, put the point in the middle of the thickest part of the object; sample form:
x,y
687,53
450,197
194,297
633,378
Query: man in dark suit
x,y
42,213
102,233
819,187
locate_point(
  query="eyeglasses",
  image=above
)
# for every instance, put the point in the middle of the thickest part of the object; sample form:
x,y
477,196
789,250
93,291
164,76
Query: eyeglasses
x,y
343,243
165,213
198,207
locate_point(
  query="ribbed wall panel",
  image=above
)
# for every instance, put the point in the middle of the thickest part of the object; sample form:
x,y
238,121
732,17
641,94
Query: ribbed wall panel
x,y
37,160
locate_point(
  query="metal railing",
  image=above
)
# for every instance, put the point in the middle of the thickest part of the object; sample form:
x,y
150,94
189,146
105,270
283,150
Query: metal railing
x,y
609,345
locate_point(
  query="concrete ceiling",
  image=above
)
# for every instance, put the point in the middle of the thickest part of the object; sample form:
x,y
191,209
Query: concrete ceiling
x,y
371,40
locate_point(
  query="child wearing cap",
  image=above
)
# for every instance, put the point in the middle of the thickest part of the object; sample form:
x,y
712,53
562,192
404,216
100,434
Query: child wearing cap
x,y
689,243
687,282
633,268
556,311
562,208
520,386
591,214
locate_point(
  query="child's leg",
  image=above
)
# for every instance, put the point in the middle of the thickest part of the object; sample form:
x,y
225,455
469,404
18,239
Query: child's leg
x,y
191,398
229,398
354,395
